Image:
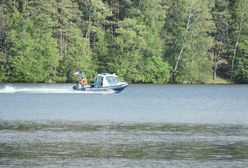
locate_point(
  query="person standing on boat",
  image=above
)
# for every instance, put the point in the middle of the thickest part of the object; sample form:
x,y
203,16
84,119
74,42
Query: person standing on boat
x,y
83,81
82,77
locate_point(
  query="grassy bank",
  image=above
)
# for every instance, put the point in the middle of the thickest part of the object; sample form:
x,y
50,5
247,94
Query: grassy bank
x,y
218,80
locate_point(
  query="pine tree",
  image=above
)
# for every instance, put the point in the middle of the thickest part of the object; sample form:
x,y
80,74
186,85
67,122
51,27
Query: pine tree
x,y
71,43
94,23
221,17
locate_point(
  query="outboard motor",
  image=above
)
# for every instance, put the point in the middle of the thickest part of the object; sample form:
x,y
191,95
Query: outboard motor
x,y
78,86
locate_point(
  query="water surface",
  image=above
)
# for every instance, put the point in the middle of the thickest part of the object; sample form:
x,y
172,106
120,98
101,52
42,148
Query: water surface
x,y
144,126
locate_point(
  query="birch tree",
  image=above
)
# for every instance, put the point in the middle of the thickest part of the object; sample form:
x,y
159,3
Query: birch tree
x,y
190,57
241,12
239,60
184,40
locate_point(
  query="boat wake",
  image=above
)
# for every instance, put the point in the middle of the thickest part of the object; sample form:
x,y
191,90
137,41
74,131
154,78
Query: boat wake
x,y
44,88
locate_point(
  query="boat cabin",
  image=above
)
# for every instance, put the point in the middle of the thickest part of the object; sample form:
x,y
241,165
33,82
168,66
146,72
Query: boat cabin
x,y
106,80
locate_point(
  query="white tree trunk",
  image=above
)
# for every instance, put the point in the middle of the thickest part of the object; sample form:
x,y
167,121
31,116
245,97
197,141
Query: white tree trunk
x,y
89,28
238,38
184,40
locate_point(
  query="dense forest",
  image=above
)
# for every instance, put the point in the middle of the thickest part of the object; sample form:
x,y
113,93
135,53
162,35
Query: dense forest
x,y
146,41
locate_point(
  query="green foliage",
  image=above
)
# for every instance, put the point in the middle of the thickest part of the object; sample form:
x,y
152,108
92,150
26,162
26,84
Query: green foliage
x,y
190,49
241,63
240,42
221,16
156,70
174,30
34,56
241,70
3,72
127,60
76,55
195,69
150,41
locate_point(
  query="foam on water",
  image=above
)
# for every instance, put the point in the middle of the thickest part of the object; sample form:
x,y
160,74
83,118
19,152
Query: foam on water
x,y
9,88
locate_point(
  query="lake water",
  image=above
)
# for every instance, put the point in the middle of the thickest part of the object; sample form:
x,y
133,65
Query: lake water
x,y
45,125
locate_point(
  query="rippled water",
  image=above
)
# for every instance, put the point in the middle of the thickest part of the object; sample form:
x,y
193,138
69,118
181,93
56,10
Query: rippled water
x,y
144,126
45,144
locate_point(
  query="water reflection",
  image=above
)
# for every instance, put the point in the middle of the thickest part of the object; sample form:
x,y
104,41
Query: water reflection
x,y
82,144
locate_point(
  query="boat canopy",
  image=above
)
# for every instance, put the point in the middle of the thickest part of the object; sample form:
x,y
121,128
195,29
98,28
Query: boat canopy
x,y
106,80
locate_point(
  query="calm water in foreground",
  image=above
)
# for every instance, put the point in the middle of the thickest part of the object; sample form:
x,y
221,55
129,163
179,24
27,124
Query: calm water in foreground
x,y
144,126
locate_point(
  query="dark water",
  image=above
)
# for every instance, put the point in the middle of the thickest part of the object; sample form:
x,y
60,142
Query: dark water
x,y
144,126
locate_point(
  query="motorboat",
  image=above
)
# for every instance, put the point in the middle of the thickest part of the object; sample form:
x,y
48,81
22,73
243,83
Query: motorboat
x,y
103,82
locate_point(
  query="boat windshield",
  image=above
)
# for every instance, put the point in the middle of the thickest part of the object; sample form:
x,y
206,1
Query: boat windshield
x,y
98,81
112,80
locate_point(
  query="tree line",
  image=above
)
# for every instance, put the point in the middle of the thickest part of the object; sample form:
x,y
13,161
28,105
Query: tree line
x,y
147,41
